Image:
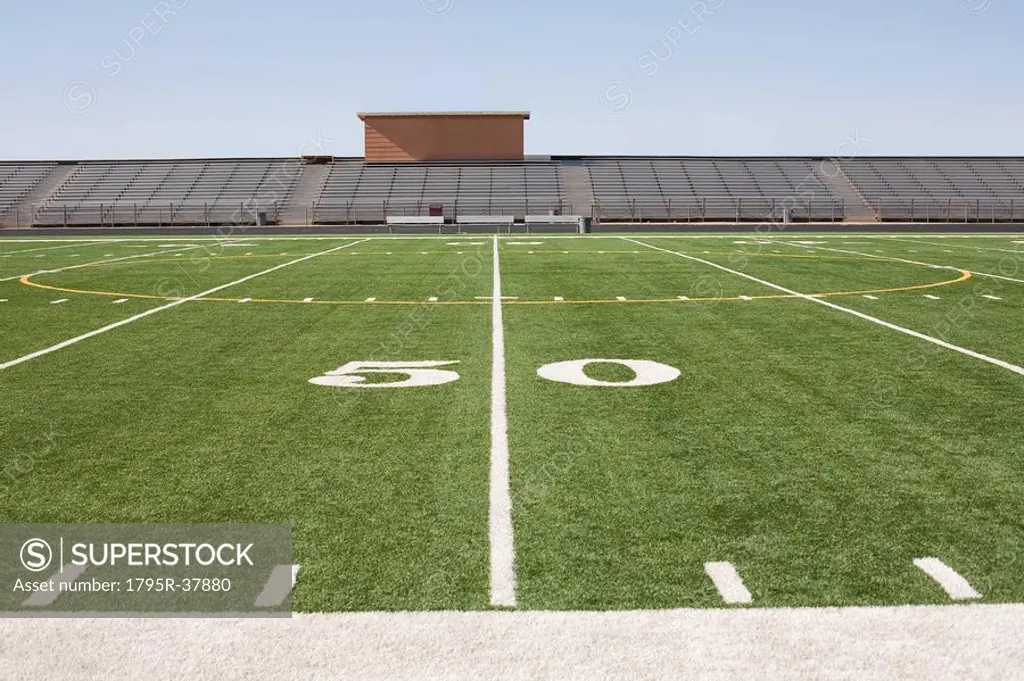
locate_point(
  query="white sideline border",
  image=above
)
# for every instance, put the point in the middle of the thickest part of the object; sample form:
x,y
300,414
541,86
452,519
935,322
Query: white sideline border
x,y
896,258
752,233
935,642
155,310
76,244
850,311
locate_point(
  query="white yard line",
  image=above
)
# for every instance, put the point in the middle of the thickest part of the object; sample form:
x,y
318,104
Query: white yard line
x,y
819,301
65,576
728,582
176,303
278,586
958,588
97,262
503,571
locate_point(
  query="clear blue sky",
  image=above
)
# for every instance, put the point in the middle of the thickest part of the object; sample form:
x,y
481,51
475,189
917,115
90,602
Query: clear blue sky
x,y
142,78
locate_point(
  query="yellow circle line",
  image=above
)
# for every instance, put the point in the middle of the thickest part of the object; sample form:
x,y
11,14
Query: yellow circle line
x,y
964,276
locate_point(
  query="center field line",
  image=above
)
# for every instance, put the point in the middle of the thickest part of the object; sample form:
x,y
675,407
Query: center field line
x,y
176,303
819,301
503,571
97,262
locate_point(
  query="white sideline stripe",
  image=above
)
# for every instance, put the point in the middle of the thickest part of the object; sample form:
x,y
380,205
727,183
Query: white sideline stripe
x,y
58,302
280,583
820,301
948,642
503,572
728,583
95,262
958,588
120,300
973,248
931,297
991,297
176,303
870,297
44,598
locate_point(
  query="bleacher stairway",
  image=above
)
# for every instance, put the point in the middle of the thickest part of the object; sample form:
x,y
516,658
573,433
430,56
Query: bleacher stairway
x,y
855,206
578,190
21,214
306,192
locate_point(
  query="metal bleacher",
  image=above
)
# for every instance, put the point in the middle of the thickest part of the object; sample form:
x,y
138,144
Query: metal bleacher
x,y
608,188
359,192
17,180
940,189
199,192
709,189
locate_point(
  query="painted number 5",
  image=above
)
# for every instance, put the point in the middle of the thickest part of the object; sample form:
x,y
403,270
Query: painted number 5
x,y
647,372
418,374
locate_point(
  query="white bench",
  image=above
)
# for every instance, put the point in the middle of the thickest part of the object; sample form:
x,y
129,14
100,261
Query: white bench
x,y
494,221
415,221
555,220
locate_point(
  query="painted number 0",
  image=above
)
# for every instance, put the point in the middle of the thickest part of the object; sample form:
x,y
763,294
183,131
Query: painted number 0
x,y
419,374
647,373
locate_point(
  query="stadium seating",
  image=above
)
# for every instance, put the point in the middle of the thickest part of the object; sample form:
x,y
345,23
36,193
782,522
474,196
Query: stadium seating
x,y
609,188
355,191
169,192
940,189
718,189
17,180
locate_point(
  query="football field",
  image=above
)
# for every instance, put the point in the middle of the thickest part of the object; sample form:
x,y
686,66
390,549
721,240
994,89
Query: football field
x,y
537,422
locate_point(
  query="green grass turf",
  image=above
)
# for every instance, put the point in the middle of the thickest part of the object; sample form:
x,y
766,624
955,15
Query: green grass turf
x,y
816,451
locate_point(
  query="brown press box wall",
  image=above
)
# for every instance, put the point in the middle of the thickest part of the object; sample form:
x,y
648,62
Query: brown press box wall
x,y
433,137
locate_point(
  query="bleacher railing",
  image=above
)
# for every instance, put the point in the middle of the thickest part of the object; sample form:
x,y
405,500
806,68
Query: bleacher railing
x,y
376,212
721,210
955,210
120,214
